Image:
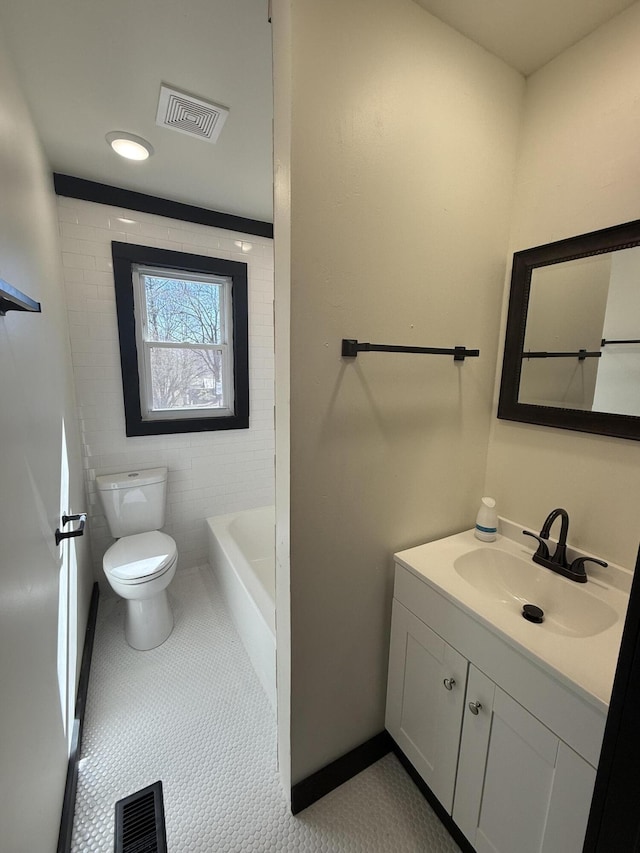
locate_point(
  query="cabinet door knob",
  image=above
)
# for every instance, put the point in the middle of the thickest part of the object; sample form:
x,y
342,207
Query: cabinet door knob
x,y
449,682
475,707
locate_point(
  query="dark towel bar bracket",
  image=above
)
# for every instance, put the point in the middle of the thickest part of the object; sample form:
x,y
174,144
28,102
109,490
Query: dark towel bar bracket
x,y
351,348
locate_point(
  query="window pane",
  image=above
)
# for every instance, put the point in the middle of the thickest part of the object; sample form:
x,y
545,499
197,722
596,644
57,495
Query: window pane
x,y
182,311
186,379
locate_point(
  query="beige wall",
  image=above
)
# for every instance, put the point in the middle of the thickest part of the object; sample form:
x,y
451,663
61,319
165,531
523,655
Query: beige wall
x,y
281,29
579,170
402,161
40,477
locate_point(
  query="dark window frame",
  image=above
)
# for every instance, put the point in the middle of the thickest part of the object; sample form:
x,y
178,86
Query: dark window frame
x,y
125,255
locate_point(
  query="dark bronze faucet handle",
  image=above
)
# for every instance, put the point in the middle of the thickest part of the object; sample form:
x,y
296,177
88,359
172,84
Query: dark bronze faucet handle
x,y
577,567
543,548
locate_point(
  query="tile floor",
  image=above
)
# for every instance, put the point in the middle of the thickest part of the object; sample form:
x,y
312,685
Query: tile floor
x,y
193,714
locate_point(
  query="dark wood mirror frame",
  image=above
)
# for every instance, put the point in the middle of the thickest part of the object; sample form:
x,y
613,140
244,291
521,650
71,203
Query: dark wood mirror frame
x,y
613,239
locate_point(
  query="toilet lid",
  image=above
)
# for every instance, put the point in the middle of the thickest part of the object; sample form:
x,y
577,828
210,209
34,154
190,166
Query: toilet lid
x,y
139,557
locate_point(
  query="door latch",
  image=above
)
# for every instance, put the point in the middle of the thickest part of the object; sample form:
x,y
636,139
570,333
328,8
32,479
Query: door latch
x,y
69,534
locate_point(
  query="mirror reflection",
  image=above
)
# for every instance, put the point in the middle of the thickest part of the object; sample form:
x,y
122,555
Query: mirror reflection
x,y
582,336
572,345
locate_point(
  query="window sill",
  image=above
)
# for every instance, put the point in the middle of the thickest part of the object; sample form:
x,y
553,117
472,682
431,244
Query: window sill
x,y
166,426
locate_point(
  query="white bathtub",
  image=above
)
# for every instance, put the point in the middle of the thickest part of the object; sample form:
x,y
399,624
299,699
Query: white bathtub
x,y
242,556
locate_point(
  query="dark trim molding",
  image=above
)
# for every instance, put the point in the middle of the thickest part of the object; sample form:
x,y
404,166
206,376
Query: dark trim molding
x,y
324,781
614,820
434,802
69,800
525,262
125,255
71,187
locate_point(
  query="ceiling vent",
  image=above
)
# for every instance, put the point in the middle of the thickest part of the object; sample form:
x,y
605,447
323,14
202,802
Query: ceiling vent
x,y
190,115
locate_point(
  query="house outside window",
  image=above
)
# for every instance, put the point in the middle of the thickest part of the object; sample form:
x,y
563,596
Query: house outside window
x,y
182,322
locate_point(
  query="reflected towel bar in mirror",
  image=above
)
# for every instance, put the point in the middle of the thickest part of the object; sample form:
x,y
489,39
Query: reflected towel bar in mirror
x,y
604,342
351,348
581,354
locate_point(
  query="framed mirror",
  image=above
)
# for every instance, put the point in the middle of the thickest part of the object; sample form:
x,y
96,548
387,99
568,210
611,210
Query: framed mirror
x,y
572,347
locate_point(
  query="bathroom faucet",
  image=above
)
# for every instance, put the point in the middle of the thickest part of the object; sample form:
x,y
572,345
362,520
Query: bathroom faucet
x,y
558,562
560,555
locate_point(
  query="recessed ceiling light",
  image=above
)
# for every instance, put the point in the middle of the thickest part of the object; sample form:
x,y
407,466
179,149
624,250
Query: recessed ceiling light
x,y
128,145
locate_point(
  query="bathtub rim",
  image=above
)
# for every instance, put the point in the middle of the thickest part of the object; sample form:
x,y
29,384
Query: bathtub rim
x,y
264,598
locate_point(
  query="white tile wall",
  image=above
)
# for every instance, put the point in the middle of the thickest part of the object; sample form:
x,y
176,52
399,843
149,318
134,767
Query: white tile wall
x,y
209,472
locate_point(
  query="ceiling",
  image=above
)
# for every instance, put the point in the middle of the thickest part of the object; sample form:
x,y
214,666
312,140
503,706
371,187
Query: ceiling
x,y
89,67
526,34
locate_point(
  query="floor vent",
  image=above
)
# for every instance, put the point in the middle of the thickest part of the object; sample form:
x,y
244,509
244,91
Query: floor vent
x,y
140,822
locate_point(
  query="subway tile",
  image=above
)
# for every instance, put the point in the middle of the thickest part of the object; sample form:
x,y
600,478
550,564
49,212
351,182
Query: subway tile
x,y
67,214
76,290
109,235
179,235
209,473
206,238
64,201
105,264
78,261
81,344
92,214
78,232
120,222
76,317
168,244
150,229
101,278
101,306
73,275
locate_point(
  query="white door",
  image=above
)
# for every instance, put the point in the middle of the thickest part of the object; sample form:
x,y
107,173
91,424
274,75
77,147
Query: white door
x,y
44,589
68,651
425,698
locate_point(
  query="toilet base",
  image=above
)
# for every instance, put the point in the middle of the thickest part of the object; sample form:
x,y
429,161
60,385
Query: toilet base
x,y
148,622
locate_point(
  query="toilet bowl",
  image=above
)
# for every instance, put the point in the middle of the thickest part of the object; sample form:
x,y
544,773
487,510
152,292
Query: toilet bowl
x,y
139,568
141,564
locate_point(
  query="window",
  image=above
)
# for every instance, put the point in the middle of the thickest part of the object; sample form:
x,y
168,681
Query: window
x,y
182,321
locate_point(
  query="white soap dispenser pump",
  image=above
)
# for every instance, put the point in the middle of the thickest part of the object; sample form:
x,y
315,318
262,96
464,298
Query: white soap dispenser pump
x,y
487,521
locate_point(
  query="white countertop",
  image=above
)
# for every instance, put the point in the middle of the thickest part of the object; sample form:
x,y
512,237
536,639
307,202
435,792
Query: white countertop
x,y
585,663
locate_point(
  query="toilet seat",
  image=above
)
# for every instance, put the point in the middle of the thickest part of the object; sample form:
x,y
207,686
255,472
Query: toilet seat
x,y
140,558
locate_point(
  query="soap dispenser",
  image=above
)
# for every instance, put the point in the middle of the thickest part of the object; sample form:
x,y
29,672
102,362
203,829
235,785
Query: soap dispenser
x,y
487,521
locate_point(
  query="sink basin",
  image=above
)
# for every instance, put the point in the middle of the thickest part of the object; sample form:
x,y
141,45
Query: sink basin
x,y
579,639
508,581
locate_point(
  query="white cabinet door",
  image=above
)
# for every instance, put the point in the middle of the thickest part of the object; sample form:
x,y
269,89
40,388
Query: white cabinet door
x,y
569,811
476,731
424,714
530,792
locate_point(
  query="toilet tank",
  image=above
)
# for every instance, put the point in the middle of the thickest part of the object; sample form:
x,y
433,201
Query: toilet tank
x,y
133,502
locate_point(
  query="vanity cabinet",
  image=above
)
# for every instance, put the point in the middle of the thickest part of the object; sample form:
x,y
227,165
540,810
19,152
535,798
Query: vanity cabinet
x,y
507,779
519,787
425,703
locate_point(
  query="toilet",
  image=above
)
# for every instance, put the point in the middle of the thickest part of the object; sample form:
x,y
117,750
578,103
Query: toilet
x,y
141,564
